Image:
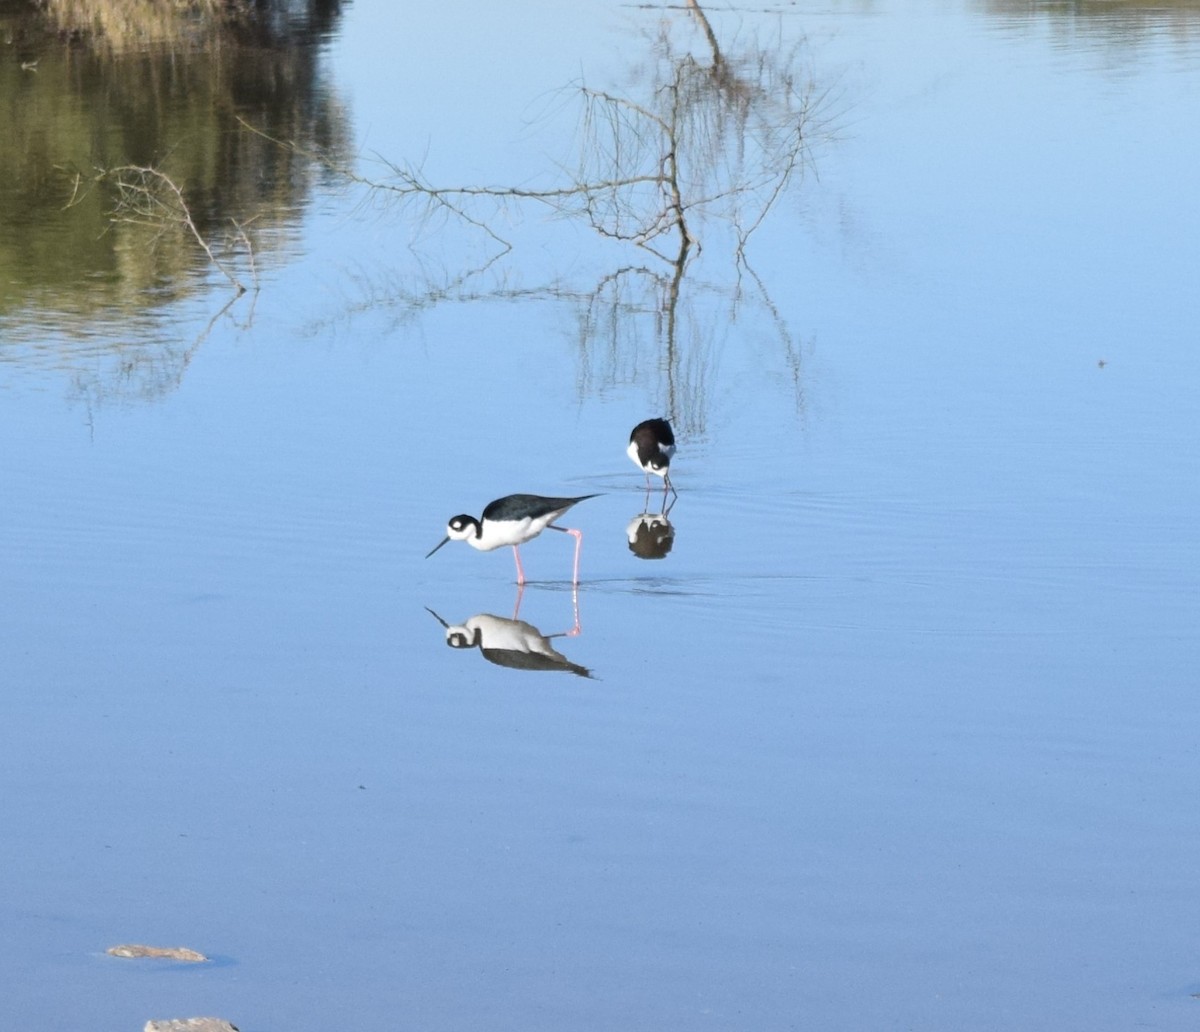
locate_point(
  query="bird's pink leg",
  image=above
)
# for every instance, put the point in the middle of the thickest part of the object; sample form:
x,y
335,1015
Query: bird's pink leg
x,y
520,572
517,604
574,631
578,536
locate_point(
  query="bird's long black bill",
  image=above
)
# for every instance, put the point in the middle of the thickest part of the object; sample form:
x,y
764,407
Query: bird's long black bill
x,y
437,546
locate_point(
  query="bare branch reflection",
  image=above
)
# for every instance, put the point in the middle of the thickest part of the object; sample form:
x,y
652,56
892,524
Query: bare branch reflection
x,y
637,325
700,145
704,137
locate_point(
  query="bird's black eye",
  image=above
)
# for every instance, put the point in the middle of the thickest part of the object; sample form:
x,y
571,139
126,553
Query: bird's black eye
x,y
457,640
458,523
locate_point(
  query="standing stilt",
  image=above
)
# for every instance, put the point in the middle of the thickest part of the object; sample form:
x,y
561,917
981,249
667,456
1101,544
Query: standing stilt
x,y
511,520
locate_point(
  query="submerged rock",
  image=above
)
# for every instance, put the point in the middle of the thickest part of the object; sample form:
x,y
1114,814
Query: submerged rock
x,y
167,952
190,1025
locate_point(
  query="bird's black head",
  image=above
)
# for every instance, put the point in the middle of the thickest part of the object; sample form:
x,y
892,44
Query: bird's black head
x,y
459,638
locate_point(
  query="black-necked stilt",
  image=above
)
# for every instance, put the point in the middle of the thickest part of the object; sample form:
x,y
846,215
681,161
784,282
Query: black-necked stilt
x,y
651,446
511,643
513,520
651,536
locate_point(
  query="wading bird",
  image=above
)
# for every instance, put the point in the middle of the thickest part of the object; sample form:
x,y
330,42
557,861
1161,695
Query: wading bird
x,y
513,520
651,445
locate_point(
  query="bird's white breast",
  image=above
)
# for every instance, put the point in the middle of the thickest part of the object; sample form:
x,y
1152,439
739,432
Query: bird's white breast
x,y
495,632
632,452
497,533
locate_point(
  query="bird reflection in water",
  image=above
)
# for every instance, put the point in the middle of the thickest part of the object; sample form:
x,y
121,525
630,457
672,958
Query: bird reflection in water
x,y
651,534
513,643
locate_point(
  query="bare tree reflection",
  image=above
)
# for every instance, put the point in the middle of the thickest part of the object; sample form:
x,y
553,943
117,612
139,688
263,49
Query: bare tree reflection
x,y
709,136
701,146
635,326
714,135
138,371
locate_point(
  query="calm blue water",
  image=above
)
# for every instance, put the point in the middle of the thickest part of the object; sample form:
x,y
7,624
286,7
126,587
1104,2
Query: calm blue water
x,y
901,734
